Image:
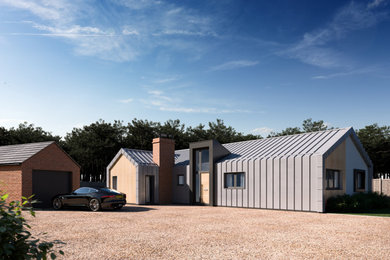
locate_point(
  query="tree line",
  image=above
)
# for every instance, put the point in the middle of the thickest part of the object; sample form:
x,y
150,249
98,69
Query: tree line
x,y
93,146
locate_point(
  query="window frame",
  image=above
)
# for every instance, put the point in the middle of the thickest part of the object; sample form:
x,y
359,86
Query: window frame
x,y
356,172
115,182
340,187
178,180
235,174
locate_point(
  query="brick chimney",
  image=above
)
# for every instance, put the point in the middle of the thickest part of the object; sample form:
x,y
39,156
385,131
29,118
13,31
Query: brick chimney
x,y
163,156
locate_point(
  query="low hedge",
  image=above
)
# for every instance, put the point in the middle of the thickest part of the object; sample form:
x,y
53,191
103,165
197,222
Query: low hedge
x,y
358,202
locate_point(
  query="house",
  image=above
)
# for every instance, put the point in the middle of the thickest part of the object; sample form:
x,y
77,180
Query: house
x,y
42,169
296,172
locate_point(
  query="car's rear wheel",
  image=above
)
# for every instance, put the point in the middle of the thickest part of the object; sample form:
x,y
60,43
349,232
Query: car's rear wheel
x,y
94,204
57,203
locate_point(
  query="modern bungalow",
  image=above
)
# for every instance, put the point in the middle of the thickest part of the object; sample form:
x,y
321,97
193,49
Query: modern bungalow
x,y
295,172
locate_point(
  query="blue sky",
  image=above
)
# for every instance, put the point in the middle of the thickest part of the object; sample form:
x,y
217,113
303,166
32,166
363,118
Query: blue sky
x,y
258,65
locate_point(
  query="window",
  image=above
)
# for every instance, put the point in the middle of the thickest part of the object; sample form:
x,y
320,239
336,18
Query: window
x,y
333,179
235,180
202,160
359,180
115,182
180,180
204,167
82,190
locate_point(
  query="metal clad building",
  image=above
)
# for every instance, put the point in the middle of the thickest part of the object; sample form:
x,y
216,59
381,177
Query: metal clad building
x,y
296,172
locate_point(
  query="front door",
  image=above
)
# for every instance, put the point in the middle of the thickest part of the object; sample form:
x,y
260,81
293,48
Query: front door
x,y
204,188
149,189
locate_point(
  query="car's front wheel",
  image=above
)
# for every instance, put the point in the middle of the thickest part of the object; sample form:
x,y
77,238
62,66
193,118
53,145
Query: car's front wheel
x,y
57,203
94,204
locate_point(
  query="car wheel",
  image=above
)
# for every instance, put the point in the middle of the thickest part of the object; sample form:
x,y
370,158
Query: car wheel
x,y
57,203
94,204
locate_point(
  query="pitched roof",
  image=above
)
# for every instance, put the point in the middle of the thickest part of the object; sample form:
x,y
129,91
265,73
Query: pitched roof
x,y
289,145
139,157
182,157
321,142
18,153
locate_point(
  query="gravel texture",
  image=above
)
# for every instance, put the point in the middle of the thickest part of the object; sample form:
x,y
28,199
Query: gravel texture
x,y
195,232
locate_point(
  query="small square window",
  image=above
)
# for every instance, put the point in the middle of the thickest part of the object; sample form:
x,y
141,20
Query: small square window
x,y
333,180
180,180
359,180
235,180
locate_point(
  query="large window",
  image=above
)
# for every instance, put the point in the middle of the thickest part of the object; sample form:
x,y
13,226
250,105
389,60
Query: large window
x,y
115,182
333,180
235,180
359,180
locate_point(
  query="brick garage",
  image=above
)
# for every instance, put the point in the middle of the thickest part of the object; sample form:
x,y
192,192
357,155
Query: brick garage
x,y
43,169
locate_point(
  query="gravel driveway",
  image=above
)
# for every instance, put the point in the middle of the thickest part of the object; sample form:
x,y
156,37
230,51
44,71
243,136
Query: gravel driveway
x,y
213,232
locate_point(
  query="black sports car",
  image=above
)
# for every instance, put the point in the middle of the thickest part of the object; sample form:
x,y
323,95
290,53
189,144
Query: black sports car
x,y
93,198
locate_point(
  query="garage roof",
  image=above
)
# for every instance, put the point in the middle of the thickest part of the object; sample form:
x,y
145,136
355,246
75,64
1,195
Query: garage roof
x,y
18,153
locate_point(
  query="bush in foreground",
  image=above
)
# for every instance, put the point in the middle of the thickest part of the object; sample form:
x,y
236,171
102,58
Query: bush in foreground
x,y
358,203
16,242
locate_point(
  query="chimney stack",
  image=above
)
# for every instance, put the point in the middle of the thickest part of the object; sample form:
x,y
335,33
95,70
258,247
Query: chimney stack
x,y
164,156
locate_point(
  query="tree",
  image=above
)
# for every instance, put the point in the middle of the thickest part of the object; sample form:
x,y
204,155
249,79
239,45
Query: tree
x,y
140,134
25,133
309,126
174,129
94,146
287,131
195,134
5,137
376,141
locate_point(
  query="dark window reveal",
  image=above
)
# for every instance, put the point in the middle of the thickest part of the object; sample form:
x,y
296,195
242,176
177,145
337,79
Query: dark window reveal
x,y
333,179
235,180
359,180
115,182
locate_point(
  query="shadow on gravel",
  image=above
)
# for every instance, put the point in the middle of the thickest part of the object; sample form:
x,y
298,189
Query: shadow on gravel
x,y
127,208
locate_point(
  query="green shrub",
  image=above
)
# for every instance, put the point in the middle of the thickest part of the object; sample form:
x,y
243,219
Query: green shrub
x,y
358,202
16,242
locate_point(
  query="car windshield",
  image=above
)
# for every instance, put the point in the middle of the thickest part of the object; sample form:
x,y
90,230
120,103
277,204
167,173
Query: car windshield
x,y
109,190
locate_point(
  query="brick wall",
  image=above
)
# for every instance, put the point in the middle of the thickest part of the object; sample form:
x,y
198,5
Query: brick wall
x,y
381,186
163,156
11,181
52,158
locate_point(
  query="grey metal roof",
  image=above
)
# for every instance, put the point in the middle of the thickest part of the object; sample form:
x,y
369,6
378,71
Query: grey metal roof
x,y
182,157
143,157
290,145
140,157
322,142
18,153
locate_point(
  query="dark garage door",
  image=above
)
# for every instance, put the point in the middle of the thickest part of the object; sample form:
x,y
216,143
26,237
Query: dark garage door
x,y
47,184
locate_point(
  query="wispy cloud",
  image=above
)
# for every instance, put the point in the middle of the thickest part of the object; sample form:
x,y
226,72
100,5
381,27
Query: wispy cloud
x,y
263,131
126,101
349,72
159,100
314,48
165,80
139,28
236,64
376,3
